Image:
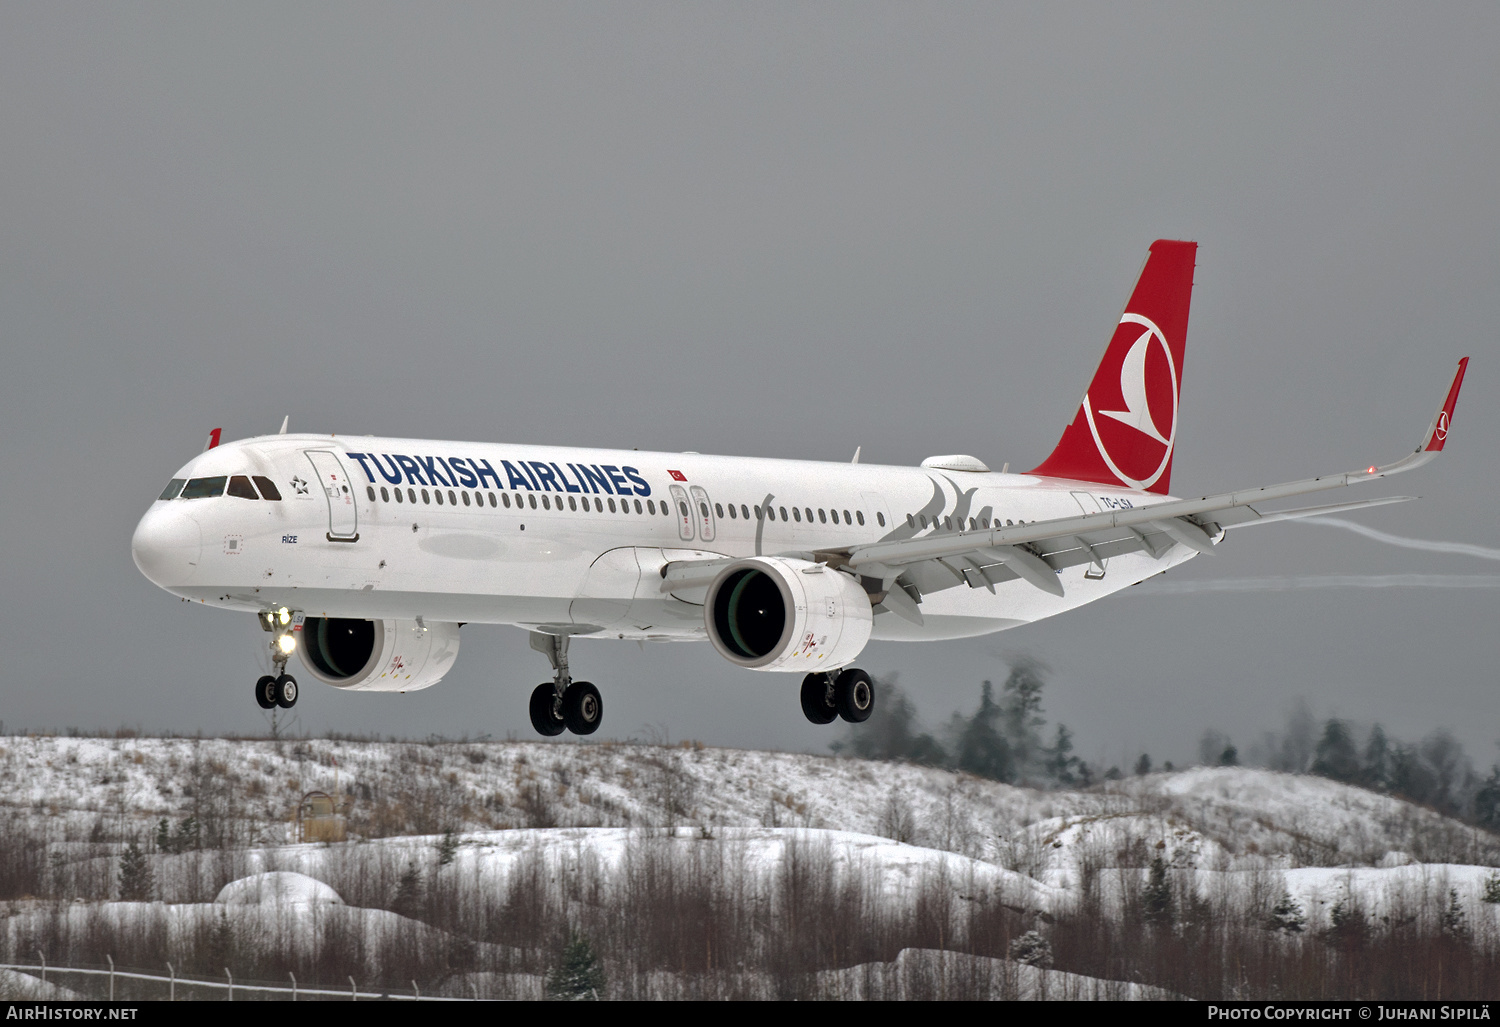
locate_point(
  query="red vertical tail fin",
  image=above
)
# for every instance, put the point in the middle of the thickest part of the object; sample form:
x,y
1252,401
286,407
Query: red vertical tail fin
x,y
1126,427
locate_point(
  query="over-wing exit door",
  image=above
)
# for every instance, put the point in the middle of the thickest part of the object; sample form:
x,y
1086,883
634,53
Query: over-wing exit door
x,y
704,510
343,516
684,513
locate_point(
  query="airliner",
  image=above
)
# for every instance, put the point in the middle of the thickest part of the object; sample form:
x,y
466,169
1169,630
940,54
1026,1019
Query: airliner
x,y
366,555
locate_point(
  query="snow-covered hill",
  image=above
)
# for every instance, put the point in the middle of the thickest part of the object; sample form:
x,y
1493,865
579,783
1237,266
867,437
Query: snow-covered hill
x,y
1213,818
463,857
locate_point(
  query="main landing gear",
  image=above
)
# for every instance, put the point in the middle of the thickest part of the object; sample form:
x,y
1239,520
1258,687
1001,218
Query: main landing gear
x,y
279,689
848,693
563,704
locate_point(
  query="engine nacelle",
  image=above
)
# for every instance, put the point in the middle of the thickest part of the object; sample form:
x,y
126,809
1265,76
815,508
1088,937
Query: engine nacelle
x,y
773,613
377,655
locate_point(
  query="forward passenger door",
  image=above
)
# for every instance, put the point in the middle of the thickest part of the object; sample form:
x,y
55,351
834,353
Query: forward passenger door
x,y
343,513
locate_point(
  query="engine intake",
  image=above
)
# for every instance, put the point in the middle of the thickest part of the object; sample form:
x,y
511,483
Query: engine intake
x,y
379,655
775,613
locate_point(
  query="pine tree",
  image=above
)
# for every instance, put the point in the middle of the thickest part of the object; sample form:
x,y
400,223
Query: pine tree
x,y
408,892
1032,949
1453,922
447,848
1286,915
1230,757
578,976
1062,765
981,750
1348,925
1143,765
135,875
188,835
1487,801
1375,767
163,835
221,944
1156,902
1492,889
1336,756
1022,713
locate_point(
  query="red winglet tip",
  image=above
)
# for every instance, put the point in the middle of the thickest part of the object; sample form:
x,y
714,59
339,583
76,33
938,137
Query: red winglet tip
x,y
1444,423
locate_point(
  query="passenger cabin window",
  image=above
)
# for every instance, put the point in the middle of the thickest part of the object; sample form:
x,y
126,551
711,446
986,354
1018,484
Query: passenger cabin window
x,y
783,512
205,488
731,511
385,497
744,512
173,487
438,495
823,517
878,516
505,498
398,495
492,499
371,490
425,497
240,488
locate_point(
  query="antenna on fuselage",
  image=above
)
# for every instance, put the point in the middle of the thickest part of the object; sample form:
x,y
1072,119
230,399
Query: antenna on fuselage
x,y
284,422
856,455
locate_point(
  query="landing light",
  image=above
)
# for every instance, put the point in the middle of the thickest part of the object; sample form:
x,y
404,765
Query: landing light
x,y
1372,469
287,643
285,615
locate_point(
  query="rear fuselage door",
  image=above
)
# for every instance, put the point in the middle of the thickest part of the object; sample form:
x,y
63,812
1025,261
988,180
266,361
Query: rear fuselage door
x,y
684,512
704,510
343,515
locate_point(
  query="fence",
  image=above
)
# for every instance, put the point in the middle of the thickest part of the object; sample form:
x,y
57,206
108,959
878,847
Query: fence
x,y
228,985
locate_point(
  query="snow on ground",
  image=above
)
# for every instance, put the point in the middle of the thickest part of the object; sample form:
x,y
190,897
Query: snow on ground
x,y
277,887
418,788
1253,830
16,986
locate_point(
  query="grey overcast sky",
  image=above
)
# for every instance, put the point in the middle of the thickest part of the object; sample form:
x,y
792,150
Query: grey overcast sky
x,y
773,229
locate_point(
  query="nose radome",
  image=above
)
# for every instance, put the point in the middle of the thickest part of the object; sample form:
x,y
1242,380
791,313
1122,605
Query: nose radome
x,y
167,545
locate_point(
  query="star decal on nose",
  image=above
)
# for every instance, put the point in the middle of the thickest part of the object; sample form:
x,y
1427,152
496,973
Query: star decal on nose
x,y
300,486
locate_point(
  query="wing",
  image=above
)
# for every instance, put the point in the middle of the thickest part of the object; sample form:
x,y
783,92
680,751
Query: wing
x,y
1036,551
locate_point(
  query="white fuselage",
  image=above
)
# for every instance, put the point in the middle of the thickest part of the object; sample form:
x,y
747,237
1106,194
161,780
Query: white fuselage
x,y
574,540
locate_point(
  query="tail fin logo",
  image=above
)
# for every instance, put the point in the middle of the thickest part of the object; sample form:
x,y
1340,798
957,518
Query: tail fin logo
x,y
1138,388
1441,431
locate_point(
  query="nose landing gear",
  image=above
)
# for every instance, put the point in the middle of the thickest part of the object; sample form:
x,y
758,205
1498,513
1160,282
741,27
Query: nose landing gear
x,y
849,694
563,704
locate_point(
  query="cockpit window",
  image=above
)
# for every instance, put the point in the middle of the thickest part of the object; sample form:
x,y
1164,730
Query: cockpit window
x,y
240,488
267,487
173,487
203,488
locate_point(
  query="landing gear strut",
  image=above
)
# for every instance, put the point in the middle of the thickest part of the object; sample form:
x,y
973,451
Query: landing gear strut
x,y
279,689
563,704
849,694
